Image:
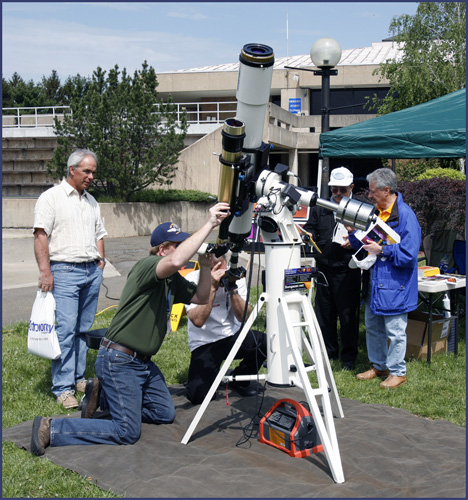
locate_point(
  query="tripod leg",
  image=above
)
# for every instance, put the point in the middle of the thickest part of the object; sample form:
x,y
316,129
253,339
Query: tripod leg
x,y
325,430
311,318
224,369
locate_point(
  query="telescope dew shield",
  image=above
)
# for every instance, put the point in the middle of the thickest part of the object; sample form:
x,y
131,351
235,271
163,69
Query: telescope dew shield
x,y
356,214
253,90
233,139
351,212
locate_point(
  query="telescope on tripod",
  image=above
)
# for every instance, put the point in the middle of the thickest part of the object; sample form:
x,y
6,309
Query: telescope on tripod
x,y
256,191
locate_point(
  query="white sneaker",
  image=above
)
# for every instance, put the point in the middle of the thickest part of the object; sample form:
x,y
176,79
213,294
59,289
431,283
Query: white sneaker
x,y
67,400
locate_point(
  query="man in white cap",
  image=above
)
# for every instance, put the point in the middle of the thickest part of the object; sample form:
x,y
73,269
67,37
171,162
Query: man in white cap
x,y
338,293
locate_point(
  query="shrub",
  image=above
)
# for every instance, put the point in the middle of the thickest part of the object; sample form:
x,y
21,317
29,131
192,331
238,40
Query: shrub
x,y
159,196
439,203
410,169
167,195
451,173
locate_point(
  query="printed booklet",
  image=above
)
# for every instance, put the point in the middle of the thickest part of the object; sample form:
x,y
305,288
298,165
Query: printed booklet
x,y
380,232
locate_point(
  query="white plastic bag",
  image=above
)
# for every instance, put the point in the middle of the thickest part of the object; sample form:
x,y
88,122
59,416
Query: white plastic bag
x,y
365,264
42,337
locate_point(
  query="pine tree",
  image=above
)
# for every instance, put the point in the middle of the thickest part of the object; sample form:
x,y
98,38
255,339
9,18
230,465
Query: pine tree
x,y
135,135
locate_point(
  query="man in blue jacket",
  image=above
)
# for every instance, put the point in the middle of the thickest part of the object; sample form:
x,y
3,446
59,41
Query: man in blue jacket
x,y
393,282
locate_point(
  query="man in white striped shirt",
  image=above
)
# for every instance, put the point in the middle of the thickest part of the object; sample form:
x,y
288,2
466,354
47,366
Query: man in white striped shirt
x,y
69,249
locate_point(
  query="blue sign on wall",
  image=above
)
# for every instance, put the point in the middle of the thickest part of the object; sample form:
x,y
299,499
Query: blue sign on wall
x,y
295,105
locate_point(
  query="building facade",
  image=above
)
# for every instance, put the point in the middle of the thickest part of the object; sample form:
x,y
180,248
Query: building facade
x,y
208,96
293,121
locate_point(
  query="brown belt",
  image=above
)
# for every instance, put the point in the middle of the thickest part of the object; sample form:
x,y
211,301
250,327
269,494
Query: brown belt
x,y
117,347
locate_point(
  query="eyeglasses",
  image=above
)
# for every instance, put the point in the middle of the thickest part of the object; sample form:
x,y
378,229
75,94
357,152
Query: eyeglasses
x,y
342,190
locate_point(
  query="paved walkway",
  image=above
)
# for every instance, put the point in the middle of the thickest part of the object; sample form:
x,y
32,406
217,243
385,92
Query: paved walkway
x,y
20,272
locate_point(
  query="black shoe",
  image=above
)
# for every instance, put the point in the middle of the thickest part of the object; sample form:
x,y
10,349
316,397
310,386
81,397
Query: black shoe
x,y
251,389
104,415
90,401
40,438
348,366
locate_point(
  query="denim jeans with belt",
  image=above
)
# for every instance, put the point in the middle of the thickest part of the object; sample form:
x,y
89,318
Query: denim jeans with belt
x,y
76,292
133,391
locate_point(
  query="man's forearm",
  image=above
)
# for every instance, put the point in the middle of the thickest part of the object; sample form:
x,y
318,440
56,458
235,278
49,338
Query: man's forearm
x,y
41,251
100,247
183,253
198,315
188,248
204,286
238,306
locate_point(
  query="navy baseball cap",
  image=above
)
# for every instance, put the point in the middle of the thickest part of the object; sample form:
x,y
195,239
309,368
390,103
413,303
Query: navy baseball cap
x,y
167,231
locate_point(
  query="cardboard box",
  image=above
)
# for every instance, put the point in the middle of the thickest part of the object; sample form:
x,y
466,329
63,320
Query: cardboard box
x,y
417,332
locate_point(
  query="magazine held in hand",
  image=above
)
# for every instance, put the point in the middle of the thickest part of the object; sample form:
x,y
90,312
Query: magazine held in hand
x,y
381,233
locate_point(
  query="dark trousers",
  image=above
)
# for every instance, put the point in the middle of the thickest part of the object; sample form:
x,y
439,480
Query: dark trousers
x,y
206,361
339,300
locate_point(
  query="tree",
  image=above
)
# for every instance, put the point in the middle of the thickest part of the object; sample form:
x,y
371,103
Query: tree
x,y
432,44
52,89
75,87
7,94
135,135
19,93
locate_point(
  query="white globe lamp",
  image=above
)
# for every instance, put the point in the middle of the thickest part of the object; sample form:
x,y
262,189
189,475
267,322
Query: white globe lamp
x,y
325,53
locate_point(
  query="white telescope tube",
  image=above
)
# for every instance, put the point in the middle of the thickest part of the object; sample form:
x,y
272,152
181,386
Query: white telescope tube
x,y
253,94
253,90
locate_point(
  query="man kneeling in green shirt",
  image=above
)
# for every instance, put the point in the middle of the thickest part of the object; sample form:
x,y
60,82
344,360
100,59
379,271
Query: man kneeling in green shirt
x,y
128,384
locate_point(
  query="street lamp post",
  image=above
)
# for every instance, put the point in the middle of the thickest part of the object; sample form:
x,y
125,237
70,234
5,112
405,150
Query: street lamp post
x,y
325,54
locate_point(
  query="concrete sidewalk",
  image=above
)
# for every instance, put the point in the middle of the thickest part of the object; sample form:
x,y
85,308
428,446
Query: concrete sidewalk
x,y
20,272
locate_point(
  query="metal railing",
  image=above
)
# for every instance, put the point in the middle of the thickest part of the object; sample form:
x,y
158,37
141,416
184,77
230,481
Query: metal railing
x,y
206,112
33,117
44,116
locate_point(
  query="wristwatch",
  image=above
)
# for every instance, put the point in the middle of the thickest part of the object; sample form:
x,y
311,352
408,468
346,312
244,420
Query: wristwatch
x,y
103,259
233,292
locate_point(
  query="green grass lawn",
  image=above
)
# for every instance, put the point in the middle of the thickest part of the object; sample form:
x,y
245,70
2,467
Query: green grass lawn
x,y
435,391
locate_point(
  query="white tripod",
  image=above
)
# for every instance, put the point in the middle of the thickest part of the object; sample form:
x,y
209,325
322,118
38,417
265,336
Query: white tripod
x,y
292,329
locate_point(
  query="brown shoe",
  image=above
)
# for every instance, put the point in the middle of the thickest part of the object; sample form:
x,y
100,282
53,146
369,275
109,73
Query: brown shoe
x,y
67,400
393,381
90,401
40,438
372,373
81,386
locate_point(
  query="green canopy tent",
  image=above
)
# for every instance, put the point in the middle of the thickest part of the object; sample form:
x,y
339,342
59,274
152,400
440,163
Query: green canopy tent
x,y
434,129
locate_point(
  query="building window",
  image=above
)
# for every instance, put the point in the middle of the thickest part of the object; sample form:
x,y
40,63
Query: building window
x,y
348,101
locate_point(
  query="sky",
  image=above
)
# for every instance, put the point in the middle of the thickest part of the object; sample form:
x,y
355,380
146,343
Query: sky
x,y
77,37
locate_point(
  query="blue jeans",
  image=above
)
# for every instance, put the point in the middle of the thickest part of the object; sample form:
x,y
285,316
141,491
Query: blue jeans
x,y
132,390
380,329
76,292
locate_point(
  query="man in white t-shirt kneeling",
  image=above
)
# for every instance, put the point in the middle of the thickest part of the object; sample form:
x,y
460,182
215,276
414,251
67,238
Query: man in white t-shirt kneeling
x,y
213,329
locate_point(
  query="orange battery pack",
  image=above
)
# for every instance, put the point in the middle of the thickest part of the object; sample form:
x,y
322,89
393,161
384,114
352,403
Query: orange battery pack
x,y
289,426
